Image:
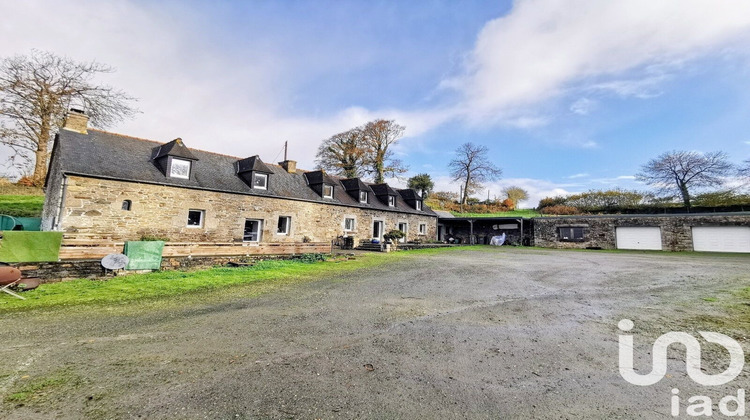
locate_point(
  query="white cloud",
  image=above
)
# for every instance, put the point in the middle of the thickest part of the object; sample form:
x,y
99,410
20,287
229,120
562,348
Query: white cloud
x,y
583,106
543,48
582,175
236,100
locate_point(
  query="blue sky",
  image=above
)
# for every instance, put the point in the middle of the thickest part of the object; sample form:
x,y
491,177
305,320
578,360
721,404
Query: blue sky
x,y
568,95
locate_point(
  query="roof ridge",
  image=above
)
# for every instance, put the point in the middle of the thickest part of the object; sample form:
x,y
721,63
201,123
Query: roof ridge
x,y
189,148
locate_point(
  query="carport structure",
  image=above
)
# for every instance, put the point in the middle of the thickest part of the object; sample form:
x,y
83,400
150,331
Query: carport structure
x,y
480,230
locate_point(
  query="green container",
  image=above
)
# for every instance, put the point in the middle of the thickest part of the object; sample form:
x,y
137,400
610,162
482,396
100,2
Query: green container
x,y
144,255
7,222
30,223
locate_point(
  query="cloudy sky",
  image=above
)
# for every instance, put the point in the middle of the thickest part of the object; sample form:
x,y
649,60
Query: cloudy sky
x,y
568,95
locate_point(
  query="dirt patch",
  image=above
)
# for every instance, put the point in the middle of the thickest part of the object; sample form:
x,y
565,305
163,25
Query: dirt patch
x,y
492,333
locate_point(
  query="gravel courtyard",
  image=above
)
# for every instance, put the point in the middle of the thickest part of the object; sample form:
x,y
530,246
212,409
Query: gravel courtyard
x,y
484,333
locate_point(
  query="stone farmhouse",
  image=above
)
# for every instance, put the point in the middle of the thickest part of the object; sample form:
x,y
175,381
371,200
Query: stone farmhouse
x,y
100,183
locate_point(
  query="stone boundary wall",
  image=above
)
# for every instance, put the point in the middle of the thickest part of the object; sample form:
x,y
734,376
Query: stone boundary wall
x,y
599,231
51,272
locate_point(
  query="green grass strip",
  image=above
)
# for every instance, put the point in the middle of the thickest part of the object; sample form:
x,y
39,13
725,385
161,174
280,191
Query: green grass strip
x,y
139,287
21,205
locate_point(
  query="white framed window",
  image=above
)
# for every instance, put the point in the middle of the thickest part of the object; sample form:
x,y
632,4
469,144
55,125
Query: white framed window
x,y
391,201
418,205
253,230
195,218
349,224
260,181
363,196
422,229
327,191
284,224
179,168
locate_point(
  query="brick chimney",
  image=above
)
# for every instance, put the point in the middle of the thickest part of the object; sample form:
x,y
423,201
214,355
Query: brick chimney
x,y
77,121
289,165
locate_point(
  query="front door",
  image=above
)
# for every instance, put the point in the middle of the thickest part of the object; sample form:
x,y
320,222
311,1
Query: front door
x,y
377,230
403,228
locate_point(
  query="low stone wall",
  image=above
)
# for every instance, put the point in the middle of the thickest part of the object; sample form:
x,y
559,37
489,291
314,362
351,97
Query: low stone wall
x,y
50,272
599,231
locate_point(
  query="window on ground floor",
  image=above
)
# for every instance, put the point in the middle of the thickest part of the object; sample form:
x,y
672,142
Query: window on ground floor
x,y
283,226
570,234
252,231
422,228
195,218
349,224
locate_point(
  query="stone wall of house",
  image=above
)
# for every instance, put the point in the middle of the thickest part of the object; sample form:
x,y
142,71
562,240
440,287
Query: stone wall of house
x,y
94,206
599,231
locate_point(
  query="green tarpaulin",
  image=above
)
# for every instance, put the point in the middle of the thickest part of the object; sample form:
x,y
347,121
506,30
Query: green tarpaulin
x,y
144,255
21,246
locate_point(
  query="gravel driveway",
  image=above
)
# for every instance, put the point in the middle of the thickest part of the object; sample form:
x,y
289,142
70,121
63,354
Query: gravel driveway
x,y
493,333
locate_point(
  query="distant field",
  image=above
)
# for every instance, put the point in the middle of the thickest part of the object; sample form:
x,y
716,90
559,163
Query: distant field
x,y
514,213
21,205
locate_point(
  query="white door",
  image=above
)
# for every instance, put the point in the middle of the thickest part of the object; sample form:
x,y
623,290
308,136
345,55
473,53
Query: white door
x,y
377,230
403,228
721,238
638,238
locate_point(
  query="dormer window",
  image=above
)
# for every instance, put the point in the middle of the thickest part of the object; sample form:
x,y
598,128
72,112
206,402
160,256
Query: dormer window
x,y
179,168
363,196
418,205
327,191
260,181
391,201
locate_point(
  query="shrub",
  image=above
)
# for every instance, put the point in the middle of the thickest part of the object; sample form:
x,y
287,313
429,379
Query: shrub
x,y
560,209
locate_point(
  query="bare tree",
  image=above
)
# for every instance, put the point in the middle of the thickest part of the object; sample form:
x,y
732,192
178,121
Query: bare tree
x,y
378,137
679,171
472,166
516,194
343,154
35,93
744,170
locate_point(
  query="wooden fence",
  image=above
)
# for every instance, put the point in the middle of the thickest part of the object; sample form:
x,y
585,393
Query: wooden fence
x,y
80,247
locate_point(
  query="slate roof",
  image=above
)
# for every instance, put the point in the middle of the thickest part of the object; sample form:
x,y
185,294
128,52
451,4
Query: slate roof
x,y
253,164
355,184
409,194
174,148
101,154
319,177
383,189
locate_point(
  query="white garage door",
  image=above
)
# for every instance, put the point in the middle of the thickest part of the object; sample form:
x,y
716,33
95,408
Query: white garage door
x,y
721,238
638,238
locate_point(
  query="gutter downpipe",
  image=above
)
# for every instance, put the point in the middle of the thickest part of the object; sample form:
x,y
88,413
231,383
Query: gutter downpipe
x,y
58,219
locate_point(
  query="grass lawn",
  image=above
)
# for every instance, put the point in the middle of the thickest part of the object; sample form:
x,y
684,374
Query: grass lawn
x,y
264,276
21,205
514,213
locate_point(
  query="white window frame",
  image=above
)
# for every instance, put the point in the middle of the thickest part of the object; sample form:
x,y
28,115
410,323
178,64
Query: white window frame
x,y
324,191
354,224
423,228
288,225
202,219
391,201
176,163
406,230
363,196
264,177
260,231
418,205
